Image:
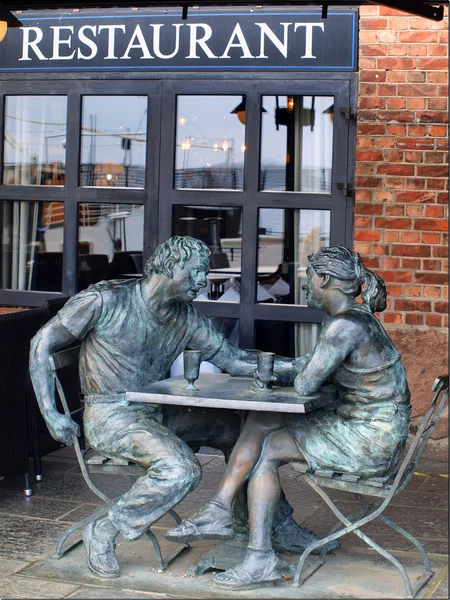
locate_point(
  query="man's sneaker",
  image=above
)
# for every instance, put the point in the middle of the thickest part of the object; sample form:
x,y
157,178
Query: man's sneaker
x,y
100,547
290,537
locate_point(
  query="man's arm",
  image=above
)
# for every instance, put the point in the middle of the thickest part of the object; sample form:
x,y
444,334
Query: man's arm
x,y
51,338
242,363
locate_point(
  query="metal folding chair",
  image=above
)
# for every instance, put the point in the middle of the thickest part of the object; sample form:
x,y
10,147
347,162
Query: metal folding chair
x,y
67,358
384,488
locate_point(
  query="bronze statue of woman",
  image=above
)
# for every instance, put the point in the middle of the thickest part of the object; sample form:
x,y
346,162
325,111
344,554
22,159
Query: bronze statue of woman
x,y
365,435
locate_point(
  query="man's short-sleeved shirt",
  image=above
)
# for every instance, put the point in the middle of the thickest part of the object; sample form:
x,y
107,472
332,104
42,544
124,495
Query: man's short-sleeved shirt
x,y
125,346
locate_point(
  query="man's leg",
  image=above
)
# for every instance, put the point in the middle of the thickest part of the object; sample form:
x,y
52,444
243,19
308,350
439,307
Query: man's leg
x,y
172,472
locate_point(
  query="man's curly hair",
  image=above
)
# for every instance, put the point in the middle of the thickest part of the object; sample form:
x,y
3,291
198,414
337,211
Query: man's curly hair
x,y
176,250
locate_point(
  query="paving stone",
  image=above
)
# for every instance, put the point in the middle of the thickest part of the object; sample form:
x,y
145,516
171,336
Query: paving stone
x,y
92,593
25,538
20,587
432,467
34,506
435,485
8,567
442,591
79,514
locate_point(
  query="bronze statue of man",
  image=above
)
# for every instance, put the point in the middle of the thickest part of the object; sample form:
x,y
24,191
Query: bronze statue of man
x,y
365,436
131,332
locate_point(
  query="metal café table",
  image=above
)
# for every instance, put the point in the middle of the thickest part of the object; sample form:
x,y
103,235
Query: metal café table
x,y
219,390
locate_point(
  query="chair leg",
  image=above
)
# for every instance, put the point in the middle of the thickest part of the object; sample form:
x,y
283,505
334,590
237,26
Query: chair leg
x,y
59,552
28,491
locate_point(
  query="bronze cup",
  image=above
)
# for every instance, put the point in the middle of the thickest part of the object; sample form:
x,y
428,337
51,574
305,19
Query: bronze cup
x,y
191,362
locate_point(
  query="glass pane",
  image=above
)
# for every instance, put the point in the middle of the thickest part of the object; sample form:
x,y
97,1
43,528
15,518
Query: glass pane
x,y
221,229
210,142
110,242
286,238
32,245
35,140
297,143
113,141
286,339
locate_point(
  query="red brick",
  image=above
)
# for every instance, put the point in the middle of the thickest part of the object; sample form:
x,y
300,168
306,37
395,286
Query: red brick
x,y
438,130
411,250
417,130
365,208
368,182
362,248
420,90
396,76
371,263
412,305
438,50
415,211
386,11
372,102
415,144
394,290
396,169
417,77
410,237
413,291
369,156
367,115
411,263
363,222
437,77
414,319
440,251
431,171
394,182
380,249
418,50
433,320
434,157
436,184
367,89
363,195
415,184
432,64
364,142
370,129
376,76
441,307
442,198
384,196
387,262
367,236
396,129
432,117
435,211
415,197
395,210
419,23
394,318
394,156
365,168
398,23
431,238
395,115
431,265
391,237
391,223
419,37
385,142
416,103
373,50
368,37
371,24
398,64
397,276
387,89
443,37
397,50
396,103
430,225
388,37
432,278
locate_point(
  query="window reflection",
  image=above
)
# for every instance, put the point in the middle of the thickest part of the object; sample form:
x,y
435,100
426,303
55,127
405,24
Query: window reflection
x,y
35,140
113,141
32,244
297,144
285,338
221,229
210,142
286,238
110,242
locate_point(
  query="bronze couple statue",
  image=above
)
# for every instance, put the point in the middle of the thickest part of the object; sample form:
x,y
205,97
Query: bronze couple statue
x,y
131,333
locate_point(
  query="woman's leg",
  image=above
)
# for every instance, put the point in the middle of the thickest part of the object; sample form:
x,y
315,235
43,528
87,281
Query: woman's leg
x,y
261,566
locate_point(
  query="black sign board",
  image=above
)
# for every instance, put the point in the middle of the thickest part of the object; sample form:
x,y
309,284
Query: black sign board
x,y
235,39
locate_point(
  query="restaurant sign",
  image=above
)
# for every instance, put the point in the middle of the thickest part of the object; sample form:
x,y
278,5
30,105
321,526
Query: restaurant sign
x,y
296,39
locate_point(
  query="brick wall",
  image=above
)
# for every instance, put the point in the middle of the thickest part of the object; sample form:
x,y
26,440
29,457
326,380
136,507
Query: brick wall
x,y
402,163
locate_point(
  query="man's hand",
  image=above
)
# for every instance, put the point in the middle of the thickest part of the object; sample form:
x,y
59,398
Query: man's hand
x,y
257,383
63,428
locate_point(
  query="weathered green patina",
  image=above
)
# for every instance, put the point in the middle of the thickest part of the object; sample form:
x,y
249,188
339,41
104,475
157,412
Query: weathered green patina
x,y
365,435
131,333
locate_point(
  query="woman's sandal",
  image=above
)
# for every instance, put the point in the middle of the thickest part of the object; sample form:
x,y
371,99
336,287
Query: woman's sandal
x,y
238,578
190,531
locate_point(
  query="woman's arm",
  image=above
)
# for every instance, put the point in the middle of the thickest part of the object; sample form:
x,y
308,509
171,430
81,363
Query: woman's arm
x,y
337,339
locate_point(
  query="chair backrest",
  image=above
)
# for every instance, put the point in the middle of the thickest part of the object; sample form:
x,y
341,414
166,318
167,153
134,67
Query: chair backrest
x,y
424,432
